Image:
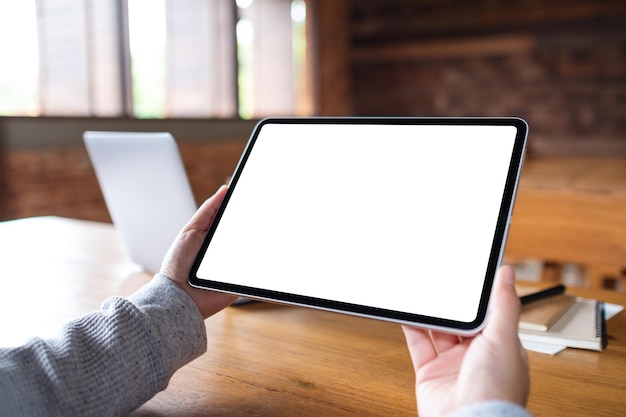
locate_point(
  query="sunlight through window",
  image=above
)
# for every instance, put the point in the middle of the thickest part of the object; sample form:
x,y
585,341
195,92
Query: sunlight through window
x,y
271,51
19,71
154,58
147,33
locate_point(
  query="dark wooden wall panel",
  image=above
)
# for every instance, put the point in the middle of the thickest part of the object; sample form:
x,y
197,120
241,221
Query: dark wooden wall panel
x,y
561,65
61,181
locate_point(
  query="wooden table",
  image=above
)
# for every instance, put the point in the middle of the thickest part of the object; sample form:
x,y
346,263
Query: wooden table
x,y
271,360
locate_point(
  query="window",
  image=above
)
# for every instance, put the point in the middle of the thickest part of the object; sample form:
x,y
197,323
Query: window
x,y
270,32
19,74
154,58
183,58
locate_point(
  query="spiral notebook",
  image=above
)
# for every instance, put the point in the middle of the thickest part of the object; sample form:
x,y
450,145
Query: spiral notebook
x,y
582,326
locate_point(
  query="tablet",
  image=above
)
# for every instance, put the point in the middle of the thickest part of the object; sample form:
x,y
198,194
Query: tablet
x,y
399,219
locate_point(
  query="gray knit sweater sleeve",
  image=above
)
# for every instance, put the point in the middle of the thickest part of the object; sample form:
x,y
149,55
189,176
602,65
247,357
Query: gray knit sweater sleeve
x,y
111,361
492,409
106,363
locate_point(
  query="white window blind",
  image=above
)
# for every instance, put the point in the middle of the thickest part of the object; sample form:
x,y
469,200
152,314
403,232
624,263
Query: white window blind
x,y
270,59
203,67
201,58
79,58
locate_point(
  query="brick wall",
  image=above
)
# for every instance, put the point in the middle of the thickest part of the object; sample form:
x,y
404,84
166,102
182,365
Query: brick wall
x,y
61,181
561,65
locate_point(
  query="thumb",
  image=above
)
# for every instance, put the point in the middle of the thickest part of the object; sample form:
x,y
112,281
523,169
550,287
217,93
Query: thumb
x,y
505,307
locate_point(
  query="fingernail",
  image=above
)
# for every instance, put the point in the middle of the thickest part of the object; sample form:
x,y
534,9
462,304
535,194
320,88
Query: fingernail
x,y
508,275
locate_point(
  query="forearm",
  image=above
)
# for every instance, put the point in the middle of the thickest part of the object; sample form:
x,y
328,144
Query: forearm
x,y
108,362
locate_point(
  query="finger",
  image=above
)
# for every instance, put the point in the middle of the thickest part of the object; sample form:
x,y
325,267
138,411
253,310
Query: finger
x,y
505,308
203,218
420,347
443,341
424,345
182,252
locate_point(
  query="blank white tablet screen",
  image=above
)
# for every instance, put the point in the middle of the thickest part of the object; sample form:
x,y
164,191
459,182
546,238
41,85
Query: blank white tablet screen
x,y
398,217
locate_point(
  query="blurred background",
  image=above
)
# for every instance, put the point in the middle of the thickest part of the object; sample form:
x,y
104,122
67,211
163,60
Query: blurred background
x,y
207,70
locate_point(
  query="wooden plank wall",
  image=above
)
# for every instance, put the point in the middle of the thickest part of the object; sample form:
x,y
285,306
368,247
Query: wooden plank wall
x,y
559,64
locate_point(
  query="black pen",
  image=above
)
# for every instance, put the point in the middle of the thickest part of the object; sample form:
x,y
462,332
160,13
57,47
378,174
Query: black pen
x,y
540,295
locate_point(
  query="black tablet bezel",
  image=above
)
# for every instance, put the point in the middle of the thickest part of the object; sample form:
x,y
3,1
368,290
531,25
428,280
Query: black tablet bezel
x,y
496,252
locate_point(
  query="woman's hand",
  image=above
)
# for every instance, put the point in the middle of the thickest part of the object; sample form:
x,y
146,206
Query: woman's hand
x,y
181,255
489,366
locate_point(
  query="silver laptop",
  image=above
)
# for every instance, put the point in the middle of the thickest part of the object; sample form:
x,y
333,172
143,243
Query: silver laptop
x,y
146,190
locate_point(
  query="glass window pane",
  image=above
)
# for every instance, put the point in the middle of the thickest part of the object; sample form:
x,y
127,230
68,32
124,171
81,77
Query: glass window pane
x,y
147,31
19,71
271,45
200,58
